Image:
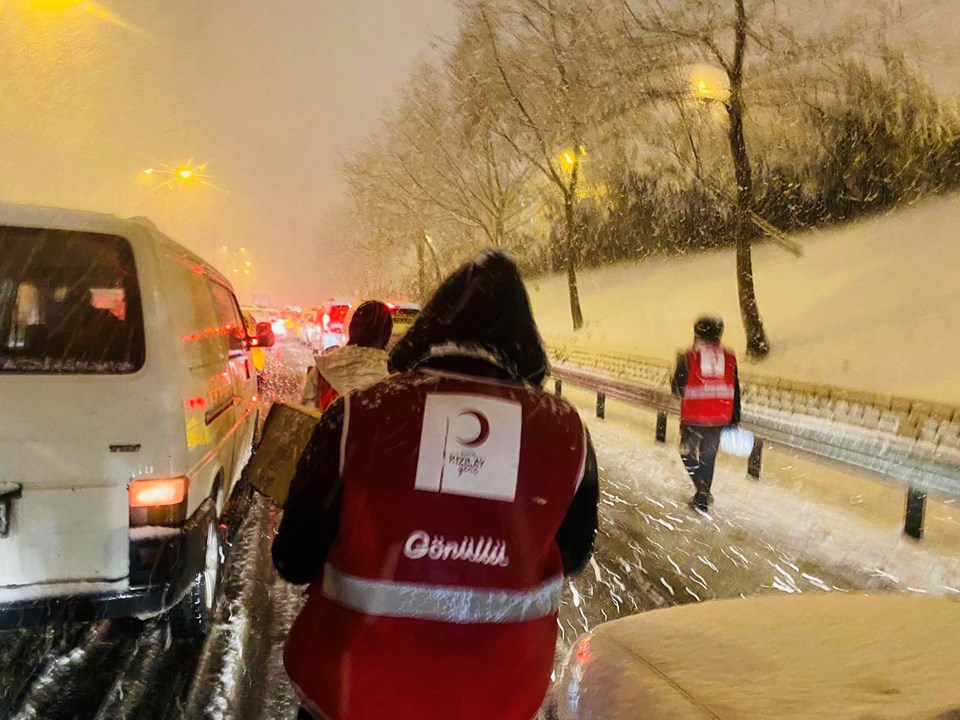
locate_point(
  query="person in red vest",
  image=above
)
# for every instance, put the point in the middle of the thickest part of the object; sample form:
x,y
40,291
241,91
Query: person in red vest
x,y
434,517
362,361
707,381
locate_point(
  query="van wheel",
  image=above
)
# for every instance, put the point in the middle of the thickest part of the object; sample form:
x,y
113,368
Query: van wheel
x,y
191,618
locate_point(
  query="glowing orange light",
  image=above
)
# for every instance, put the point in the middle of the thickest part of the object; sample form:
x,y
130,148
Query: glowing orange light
x,y
584,653
148,171
185,173
55,4
157,493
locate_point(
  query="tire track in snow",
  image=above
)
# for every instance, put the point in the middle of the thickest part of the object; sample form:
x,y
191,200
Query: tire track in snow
x,y
140,679
276,607
215,692
71,685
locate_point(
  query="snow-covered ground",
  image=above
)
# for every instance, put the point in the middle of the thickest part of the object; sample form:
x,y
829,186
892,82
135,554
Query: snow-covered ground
x,y
872,306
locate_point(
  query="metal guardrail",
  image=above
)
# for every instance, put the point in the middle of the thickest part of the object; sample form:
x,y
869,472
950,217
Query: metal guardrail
x,y
935,425
920,465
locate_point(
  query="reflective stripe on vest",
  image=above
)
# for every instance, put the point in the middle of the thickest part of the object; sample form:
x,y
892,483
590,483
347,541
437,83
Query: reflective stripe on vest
x,y
443,603
710,392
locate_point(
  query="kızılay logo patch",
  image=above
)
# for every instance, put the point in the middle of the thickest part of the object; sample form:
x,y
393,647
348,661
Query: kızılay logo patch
x,y
470,445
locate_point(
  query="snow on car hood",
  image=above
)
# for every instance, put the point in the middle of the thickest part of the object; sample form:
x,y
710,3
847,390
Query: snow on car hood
x,y
809,656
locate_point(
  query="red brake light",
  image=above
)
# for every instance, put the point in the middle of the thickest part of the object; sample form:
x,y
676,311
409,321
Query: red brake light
x,y
157,493
584,653
391,307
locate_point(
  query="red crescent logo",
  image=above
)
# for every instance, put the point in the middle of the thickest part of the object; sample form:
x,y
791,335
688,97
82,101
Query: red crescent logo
x,y
484,433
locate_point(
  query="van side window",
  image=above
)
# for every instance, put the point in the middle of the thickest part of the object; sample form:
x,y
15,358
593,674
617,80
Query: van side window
x,y
69,303
228,313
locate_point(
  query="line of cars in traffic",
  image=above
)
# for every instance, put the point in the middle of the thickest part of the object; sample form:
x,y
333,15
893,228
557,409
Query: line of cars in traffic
x,y
325,326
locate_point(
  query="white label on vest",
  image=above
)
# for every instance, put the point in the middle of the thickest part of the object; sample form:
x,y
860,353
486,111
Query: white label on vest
x,y
712,362
481,551
470,445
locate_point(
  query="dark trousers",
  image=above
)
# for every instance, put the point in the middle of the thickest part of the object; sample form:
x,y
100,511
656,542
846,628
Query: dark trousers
x,y
698,449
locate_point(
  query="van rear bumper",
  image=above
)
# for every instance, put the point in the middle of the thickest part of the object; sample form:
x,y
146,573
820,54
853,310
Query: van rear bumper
x,y
174,561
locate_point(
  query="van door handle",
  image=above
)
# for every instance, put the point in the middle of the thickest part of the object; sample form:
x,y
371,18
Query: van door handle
x,y
213,413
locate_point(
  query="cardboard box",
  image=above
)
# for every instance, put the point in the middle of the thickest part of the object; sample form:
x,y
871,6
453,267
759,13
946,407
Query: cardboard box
x,y
285,435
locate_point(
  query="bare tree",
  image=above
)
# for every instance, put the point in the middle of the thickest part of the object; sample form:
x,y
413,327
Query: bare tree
x,y
698,29
764,39
390,219
438,163
540,55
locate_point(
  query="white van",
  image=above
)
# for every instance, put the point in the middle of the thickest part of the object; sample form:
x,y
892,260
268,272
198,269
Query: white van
x,y
127,411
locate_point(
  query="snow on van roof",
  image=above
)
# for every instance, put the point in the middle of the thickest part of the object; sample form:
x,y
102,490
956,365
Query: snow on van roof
x,y
133,229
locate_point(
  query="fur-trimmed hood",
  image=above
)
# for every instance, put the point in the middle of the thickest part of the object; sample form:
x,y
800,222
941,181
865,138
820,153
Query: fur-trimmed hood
x,y
352,367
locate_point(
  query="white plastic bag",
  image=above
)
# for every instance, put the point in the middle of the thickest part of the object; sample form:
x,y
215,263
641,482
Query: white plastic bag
x,y
736,441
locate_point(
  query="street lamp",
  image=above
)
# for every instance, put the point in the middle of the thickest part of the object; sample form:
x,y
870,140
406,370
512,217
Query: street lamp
x,y
571,158
709,83
436,259
173,176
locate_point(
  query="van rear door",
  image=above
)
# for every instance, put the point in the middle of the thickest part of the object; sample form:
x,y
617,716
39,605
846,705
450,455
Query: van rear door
x,y
72,346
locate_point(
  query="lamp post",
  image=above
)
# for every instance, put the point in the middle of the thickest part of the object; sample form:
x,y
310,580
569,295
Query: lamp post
x,y
433,254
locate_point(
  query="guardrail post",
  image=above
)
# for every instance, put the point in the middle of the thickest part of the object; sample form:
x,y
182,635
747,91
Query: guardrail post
x,y
601,405
558,388
756,459
661,427
916,505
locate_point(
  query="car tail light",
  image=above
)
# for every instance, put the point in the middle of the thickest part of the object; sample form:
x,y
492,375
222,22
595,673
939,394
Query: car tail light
x,y
158,501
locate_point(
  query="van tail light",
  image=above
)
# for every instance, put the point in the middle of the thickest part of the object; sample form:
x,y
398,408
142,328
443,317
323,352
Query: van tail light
x,y
158,501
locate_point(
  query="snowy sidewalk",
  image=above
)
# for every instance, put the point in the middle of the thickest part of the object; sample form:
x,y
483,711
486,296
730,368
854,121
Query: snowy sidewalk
x,y
808,513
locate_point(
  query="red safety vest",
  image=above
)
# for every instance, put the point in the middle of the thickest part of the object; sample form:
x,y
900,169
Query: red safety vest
x,y
711,386
441,591
325,393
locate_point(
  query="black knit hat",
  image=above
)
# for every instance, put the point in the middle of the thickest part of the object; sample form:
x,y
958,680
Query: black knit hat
x,y
371,325
709,328
481,306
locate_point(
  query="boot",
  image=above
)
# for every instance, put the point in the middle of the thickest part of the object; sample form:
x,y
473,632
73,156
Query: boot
x,y
699,502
